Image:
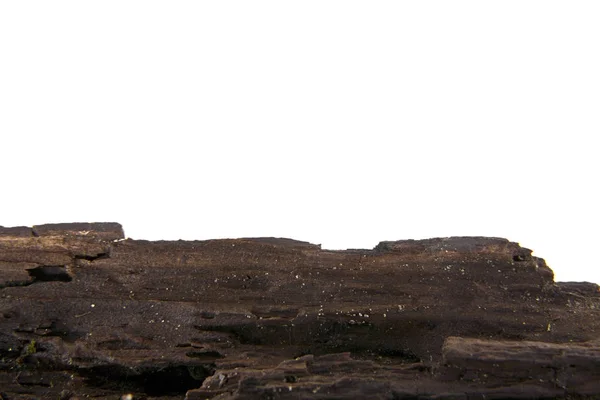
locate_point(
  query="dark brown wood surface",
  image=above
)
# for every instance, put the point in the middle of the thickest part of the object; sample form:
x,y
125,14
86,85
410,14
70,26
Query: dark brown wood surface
x,y
87,313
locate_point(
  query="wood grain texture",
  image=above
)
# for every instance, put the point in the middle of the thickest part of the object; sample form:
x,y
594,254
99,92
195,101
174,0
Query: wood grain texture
x,y
86,313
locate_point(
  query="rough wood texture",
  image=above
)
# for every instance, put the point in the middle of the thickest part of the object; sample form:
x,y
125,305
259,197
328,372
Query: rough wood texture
x,y
86,313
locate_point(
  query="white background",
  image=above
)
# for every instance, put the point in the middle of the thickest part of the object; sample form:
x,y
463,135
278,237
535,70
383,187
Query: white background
x,y
342,123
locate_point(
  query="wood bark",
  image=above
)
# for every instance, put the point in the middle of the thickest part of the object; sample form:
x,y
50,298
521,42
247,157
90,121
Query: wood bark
x,y
85,312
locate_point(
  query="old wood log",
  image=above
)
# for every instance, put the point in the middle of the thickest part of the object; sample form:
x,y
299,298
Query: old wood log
x,y
85,312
